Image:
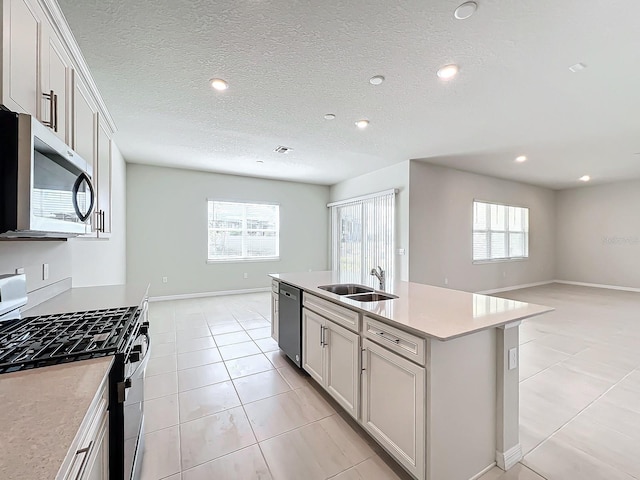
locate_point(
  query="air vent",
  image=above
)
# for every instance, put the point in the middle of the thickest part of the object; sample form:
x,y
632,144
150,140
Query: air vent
x,y
282,149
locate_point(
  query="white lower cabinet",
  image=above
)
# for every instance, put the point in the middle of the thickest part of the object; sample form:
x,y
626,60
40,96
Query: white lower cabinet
x,y
88,458
331,355
393,405
275,324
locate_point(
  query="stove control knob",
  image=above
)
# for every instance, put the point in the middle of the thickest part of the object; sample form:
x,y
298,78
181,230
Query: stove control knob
x,y
144,328
133,358
137,348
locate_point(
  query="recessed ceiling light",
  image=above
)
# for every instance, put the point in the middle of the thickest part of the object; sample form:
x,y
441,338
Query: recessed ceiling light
x,y
465,10
585,178
362,124
521,158
448,72
329,116
376,80
219,84
577,67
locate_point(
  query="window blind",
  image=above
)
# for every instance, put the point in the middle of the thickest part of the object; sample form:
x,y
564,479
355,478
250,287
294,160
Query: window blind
x,y
500,232
362,233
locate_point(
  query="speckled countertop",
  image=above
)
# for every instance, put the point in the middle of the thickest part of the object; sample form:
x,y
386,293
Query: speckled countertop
x,y
41,411
424,310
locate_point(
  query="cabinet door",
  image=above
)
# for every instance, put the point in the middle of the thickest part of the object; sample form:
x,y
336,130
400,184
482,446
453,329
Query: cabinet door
x,y
342,366
274,316
393,405
57,73
312,345
21,25
103,182
98,468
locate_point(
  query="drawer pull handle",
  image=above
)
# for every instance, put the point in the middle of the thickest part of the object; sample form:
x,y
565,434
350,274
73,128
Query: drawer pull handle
x,y
389,338
83,451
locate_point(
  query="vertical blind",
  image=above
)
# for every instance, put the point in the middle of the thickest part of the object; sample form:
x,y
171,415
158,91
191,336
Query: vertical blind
x,y
500,232
362,234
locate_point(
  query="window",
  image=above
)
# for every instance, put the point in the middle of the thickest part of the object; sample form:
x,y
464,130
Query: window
x,y
362,236
500,232
243,231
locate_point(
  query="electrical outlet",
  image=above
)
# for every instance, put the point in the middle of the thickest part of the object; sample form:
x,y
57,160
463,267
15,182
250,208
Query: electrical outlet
x,y
20,271
165,279
513,358
246,275
446,281
504,274
45,271
401,251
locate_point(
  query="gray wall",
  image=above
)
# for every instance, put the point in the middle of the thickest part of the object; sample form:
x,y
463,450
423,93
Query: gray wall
x,y
395,176
440,237
167,229
598,234
88,261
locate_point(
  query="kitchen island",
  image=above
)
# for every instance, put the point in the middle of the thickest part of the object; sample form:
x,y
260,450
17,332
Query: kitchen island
x,y
431,375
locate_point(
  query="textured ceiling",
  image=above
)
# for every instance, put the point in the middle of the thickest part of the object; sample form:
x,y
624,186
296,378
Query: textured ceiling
x,y
290,62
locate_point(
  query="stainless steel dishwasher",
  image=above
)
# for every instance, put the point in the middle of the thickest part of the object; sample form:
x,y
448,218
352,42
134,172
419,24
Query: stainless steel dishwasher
x,y
290,318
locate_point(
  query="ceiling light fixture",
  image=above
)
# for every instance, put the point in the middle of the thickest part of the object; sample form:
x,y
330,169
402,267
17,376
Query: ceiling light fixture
x,y
521,158
362,124
329,116
465,10
218,84
282,149
577,67
376,80
585,178
259,161
448,71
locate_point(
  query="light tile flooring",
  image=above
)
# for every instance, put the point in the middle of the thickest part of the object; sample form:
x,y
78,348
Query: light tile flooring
x,y
223,403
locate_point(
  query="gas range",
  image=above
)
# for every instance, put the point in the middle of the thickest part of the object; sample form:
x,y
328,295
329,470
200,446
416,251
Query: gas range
x,y
46,340
53,339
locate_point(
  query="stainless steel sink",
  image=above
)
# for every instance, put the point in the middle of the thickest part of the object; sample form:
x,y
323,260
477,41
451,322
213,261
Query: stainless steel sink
x,y
346,288
372,297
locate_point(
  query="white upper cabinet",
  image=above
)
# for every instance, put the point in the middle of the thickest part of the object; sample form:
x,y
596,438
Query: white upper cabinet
x,y
21,25
57,81
102,170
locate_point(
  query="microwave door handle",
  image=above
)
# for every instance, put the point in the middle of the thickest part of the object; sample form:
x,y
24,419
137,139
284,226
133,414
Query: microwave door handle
x,y
74,196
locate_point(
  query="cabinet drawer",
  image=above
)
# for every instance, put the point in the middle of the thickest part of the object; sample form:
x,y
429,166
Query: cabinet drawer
x,y
401,342
342,316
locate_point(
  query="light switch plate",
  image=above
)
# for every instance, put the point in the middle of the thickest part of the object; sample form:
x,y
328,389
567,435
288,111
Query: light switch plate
x,y
513,358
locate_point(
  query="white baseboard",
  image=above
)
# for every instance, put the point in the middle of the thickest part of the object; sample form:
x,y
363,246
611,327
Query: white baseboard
x,y
599,285
481,473
506,460
185,296
515,287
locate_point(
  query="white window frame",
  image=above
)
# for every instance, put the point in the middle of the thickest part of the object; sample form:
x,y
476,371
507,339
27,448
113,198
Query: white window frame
x,y
506,232
244,258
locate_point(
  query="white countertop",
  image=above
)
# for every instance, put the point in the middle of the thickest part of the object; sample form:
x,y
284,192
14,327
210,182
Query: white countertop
x,y
90,298
425,310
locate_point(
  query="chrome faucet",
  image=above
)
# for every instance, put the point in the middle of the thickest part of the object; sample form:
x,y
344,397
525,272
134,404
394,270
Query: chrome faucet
x,y
379,274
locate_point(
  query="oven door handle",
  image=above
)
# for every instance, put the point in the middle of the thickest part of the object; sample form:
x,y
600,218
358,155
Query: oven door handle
x,y
124,385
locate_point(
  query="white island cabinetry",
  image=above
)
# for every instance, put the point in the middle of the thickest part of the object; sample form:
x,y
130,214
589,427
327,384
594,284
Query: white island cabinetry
x,y
423,372
331,352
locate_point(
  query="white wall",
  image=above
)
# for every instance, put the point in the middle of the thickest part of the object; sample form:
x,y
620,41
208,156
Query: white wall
x,y
103,262
87,261
395,176
167,229
598,234
440,237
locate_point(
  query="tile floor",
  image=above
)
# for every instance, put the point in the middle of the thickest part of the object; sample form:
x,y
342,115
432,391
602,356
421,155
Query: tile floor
x,y
223,403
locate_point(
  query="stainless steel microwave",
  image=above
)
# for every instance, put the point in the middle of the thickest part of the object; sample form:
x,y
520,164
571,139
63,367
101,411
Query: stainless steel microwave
x,y
46,189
